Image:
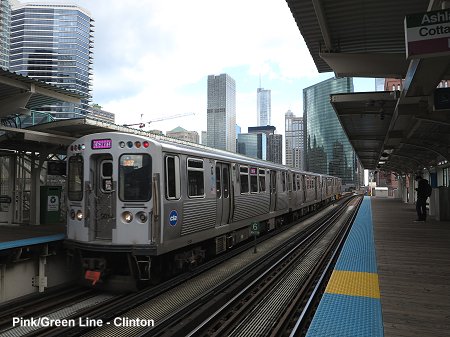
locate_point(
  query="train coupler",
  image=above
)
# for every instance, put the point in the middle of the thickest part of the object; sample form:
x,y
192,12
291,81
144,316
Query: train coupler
x,y
93,269
93,276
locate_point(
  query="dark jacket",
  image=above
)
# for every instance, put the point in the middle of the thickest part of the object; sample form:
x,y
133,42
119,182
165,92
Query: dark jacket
x,y
422,189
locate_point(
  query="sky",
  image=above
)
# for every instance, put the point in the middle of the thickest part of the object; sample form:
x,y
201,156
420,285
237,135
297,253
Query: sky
x,y
152,59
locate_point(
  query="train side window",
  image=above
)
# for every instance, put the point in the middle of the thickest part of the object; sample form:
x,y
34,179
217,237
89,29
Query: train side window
x,y
262,181
289,181
172,172
196,184
253,180
244,179
283,181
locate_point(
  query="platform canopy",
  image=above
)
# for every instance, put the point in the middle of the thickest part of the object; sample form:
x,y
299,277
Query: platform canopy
x,y
400,130
20,94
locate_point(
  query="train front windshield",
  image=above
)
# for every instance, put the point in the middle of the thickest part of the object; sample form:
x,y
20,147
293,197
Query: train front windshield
x,y
135,172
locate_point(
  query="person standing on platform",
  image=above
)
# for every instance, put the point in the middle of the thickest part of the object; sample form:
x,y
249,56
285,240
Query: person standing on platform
x,y
423,192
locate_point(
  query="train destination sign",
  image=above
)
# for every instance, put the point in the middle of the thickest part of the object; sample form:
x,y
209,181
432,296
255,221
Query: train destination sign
x,y
100,144
427,34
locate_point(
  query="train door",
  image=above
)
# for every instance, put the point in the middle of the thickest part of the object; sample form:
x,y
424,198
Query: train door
x,y
223,193
303,182
273,190
104,210
316,187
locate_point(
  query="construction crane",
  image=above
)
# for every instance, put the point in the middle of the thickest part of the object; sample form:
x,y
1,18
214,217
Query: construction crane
x,y
142,124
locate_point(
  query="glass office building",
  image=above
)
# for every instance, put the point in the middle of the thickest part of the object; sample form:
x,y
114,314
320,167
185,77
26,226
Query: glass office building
x,y
327,147
274,146
253,145
5,22
54,43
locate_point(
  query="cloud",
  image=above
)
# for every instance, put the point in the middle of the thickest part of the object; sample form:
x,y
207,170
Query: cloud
x,y
152,57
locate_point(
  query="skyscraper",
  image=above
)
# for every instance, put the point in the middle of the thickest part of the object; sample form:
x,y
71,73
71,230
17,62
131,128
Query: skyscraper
x,y
54,43
5,24
263,106
252,145
294,140
274,142
328,149
221,112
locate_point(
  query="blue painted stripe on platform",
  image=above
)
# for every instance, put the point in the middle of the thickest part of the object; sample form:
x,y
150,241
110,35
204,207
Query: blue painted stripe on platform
x,y
358,253
31,241
347,316
344,315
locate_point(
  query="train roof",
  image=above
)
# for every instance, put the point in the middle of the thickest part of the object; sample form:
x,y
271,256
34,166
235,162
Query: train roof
x,y
177,145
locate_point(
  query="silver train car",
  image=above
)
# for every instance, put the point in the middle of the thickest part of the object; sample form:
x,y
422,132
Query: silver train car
x,y
140,208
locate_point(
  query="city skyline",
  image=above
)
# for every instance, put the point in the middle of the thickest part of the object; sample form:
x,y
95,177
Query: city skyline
x,y
156,61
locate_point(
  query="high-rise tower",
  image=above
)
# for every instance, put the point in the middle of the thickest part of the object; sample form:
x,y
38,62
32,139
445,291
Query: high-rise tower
x,y
328,149
54,43
5,24
294,140
263,106
221,112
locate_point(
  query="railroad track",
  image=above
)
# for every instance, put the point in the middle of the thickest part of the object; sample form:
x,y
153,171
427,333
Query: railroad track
x,y
179,296
54,305
188,297
279,300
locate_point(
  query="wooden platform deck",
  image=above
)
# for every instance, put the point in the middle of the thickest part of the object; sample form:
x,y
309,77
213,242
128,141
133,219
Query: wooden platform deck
x,y
413,261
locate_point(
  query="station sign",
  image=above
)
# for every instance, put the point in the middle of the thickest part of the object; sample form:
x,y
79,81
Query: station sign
x,y
427,34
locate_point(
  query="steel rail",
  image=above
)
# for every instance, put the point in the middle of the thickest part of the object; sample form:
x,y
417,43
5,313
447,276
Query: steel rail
x,y
164,328
255,299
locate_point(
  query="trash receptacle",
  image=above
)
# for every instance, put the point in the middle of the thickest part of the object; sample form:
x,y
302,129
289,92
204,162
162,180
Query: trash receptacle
x,y
50,204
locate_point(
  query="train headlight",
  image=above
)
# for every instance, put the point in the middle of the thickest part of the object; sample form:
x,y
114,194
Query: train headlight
x,y
127,217
122,144
142,216
80,215
72,214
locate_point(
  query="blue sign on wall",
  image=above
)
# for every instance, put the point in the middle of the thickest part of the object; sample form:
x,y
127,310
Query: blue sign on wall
x,y
173,218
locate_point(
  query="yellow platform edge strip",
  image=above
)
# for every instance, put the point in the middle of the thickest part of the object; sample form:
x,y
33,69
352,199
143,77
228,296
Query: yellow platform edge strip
x,y
354,284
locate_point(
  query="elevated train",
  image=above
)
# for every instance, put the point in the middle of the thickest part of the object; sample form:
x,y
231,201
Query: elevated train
x,y
140,207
